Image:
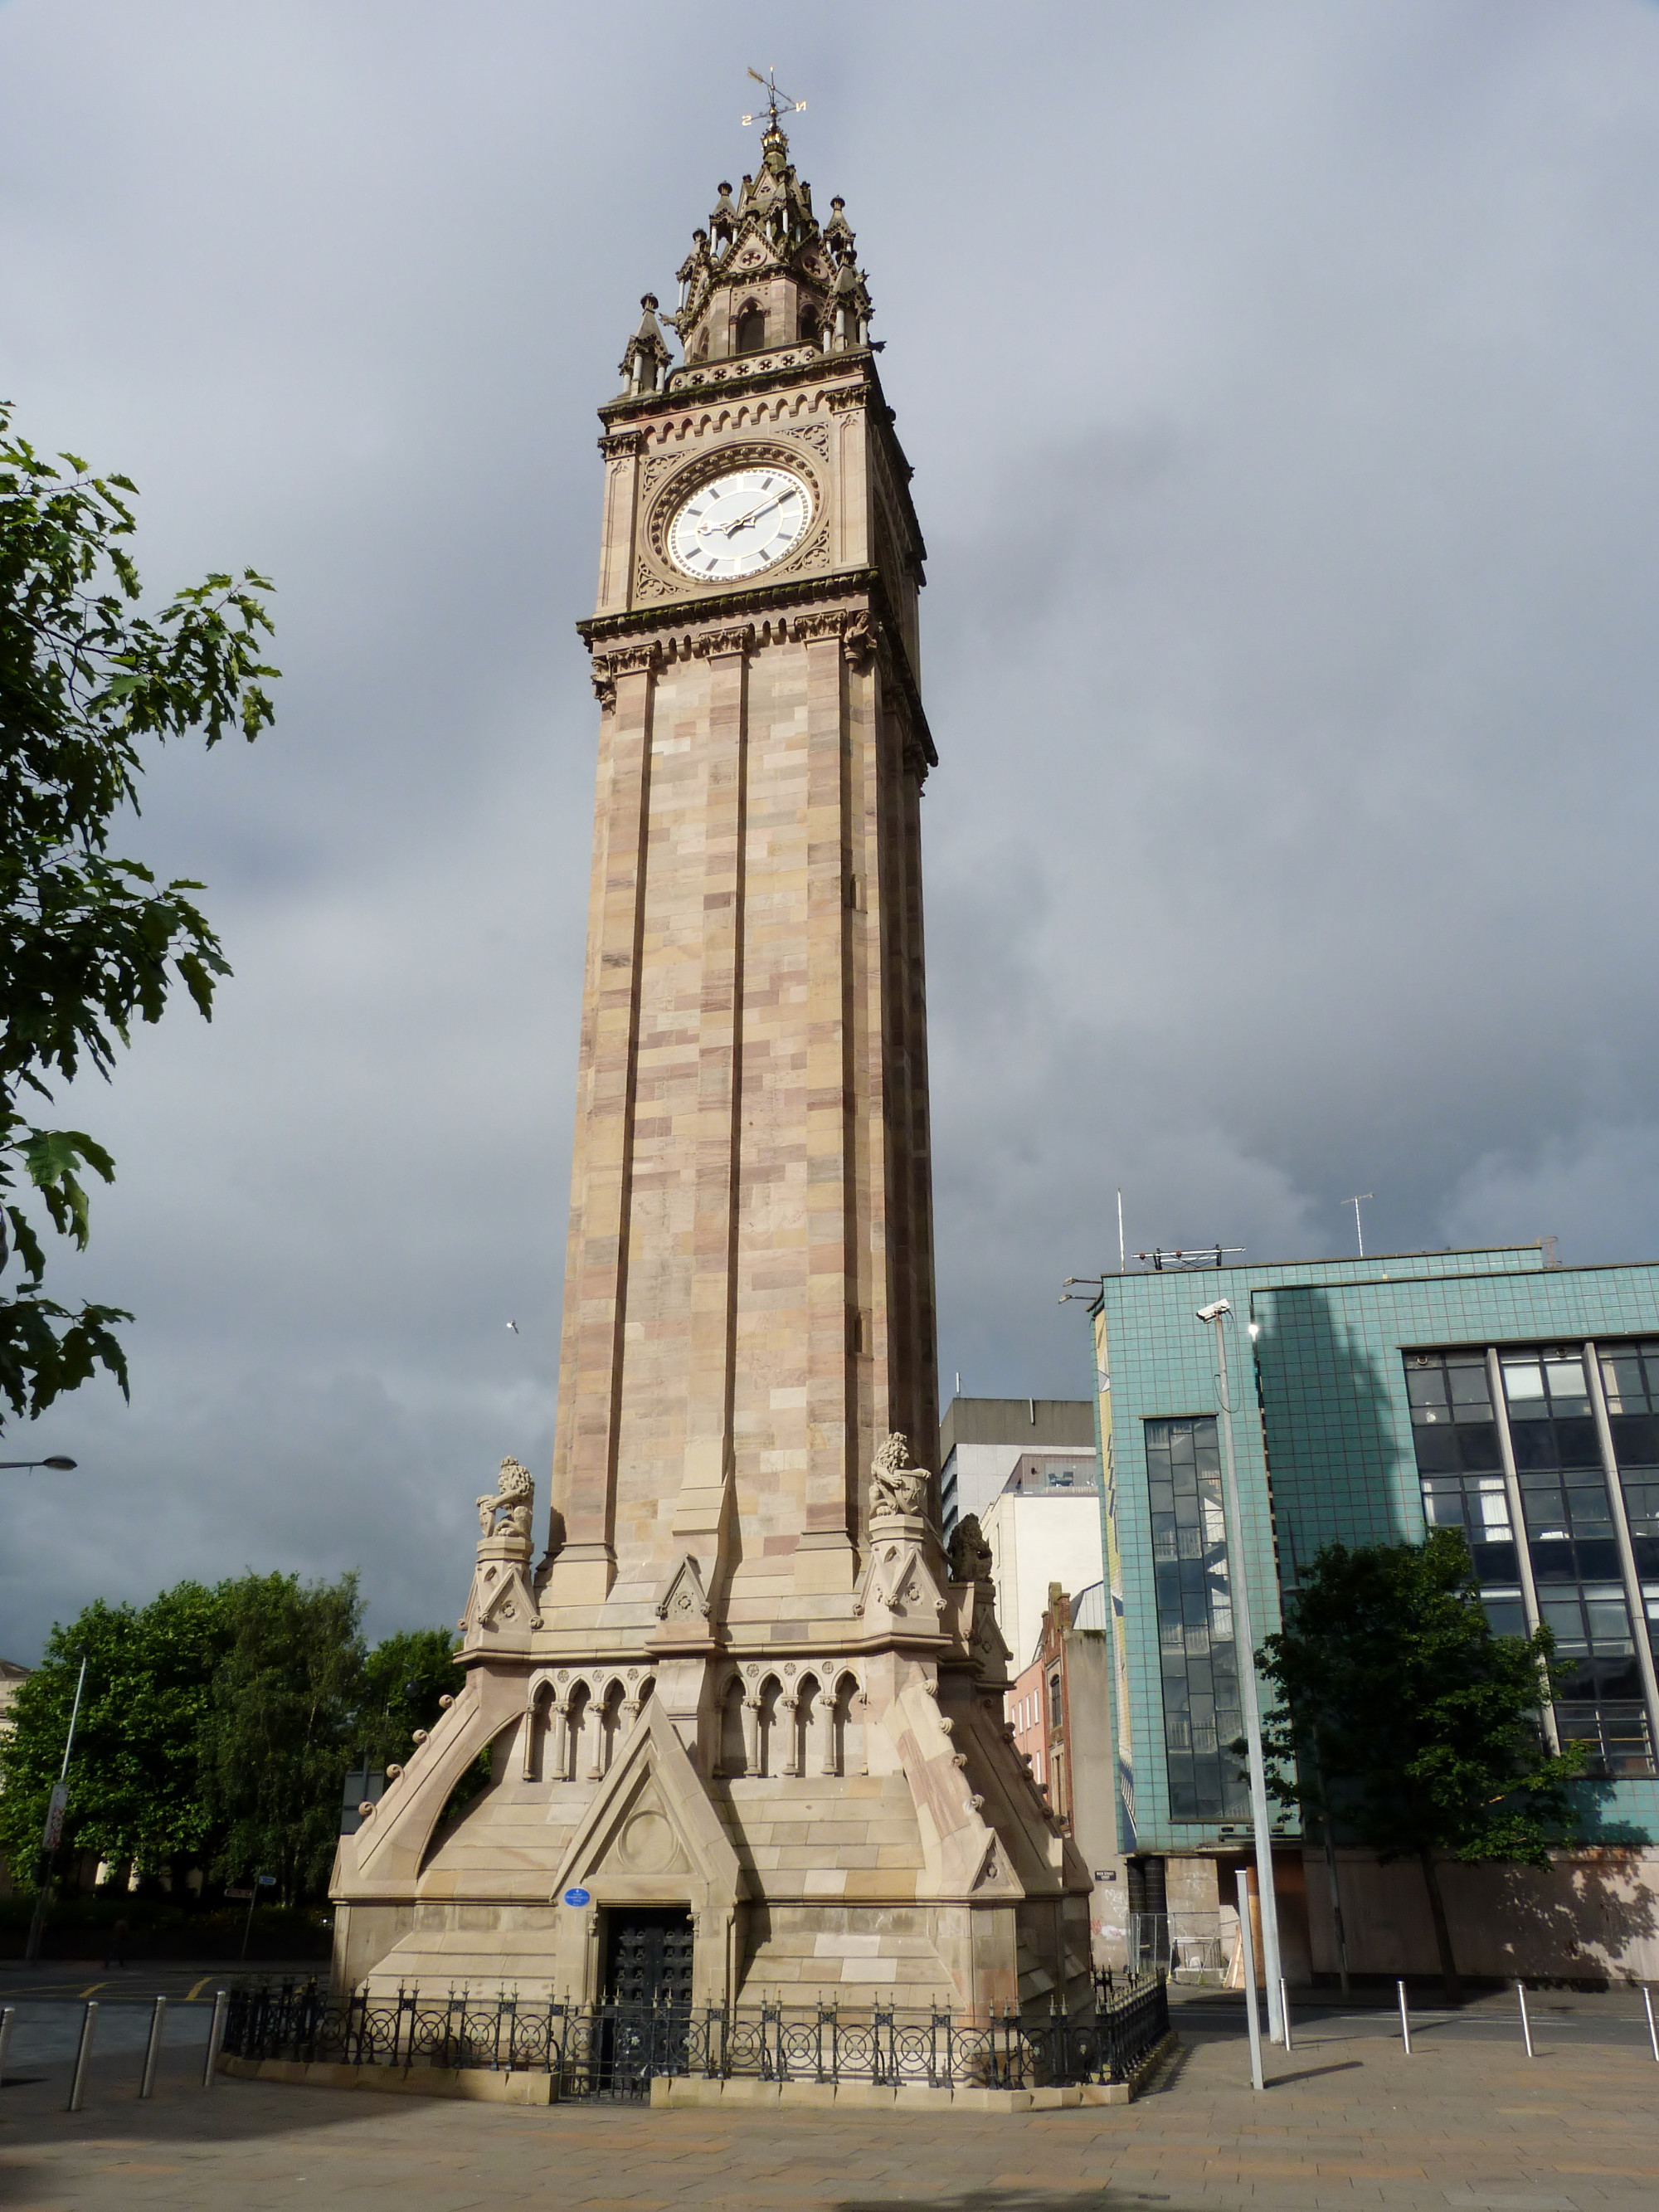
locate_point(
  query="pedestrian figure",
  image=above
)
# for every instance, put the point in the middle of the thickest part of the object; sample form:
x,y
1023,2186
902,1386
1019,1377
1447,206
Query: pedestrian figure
x,y
115,1951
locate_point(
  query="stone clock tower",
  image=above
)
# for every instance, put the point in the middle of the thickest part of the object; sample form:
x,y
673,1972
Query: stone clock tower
x,y
745,1717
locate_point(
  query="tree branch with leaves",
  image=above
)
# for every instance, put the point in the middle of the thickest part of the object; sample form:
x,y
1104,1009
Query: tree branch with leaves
x,y
89,942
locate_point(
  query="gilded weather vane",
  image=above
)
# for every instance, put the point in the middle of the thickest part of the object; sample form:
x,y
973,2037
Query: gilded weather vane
x,y
777,103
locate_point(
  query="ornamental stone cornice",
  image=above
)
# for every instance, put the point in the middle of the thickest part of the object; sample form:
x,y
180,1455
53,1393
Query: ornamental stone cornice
x,y
801,369
607,636
734,637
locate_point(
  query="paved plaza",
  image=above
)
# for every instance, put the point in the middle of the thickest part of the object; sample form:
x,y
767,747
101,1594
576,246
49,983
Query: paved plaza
x,y
1466,2122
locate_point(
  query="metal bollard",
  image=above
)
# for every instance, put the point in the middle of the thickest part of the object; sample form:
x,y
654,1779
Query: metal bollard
x,y
153,2048
1284,2013
83,2056
1404,2019
215,2036
7,2018
1247,1952
1653,2031
1526,2025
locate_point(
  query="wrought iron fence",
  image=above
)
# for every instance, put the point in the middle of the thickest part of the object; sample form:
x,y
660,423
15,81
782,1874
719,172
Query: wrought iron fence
x,y
613,2049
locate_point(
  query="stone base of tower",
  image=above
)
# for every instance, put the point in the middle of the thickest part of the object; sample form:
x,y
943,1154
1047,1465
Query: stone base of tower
x,y
850,1823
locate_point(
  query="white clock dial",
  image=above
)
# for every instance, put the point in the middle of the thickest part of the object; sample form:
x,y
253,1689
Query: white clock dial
x,y
735,524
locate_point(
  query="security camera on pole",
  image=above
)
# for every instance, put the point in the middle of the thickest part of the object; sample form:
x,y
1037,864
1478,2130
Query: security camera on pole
x,y
1218,1314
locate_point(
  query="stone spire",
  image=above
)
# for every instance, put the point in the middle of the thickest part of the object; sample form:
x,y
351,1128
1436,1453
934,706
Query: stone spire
x,y
646,357
765,274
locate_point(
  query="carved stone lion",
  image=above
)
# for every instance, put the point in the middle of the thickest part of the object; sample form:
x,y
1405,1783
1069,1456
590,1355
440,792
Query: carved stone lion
x,y
970,1555
896,1485
512,1498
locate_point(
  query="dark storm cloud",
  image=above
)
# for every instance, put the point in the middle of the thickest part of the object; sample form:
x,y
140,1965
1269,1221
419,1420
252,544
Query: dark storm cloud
x,y
1278,384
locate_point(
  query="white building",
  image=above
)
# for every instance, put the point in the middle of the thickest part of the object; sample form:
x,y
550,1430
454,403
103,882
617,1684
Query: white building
x,y
983,1440
1040,1534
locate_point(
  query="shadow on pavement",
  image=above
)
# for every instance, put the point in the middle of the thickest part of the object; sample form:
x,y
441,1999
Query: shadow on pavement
x,y
1312,2073
181,2111
1023,2200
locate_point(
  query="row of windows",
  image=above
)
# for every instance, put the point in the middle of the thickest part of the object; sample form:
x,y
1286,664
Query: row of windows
x,y
1566,1510
1198,1654
1568,1528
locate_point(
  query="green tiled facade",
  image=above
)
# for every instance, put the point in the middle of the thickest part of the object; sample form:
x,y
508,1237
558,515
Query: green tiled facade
x,y
1324,1432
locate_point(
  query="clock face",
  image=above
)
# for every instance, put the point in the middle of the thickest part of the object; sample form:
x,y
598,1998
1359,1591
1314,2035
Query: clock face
x,y
738,523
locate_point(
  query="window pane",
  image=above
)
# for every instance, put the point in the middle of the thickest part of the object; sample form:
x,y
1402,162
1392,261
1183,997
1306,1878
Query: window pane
x,y
1523,1387
1621,1379
1566,1375
1610,1624
1467,1381
1535,1444
1506,1615
1493,1503
1635,1438
1476,1446
1578,1442
1564,1617
1437,1450
1494,1563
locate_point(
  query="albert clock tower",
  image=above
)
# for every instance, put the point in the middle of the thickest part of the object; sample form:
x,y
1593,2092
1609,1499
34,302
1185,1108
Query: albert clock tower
x,y
744,1712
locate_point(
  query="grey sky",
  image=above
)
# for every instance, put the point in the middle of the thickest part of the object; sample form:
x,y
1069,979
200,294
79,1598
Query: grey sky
x,y
1280,383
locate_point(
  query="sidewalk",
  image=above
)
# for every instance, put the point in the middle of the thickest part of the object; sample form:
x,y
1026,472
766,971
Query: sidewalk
x,y
1350,2121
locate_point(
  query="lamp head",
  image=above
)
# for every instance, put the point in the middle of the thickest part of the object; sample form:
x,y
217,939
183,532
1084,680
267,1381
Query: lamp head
x,y
1214,1312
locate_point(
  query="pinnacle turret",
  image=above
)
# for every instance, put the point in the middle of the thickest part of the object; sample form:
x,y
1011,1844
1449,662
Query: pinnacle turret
x,y
764,274
645,359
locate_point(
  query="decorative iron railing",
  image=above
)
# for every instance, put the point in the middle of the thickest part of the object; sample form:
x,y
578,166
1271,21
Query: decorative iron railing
x,y
613,2049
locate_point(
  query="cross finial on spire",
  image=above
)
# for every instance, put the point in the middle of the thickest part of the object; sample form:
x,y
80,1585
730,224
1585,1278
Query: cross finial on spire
x,y
777,102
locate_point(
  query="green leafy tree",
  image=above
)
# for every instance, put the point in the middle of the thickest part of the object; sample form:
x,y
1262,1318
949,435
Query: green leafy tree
x,y
216,1728
135,1781
1403,1721
404,1678
278,1739
88,942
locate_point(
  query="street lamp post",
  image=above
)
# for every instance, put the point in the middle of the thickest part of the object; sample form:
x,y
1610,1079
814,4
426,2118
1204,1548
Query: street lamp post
x,y
1217,1315
57,1462
54,1828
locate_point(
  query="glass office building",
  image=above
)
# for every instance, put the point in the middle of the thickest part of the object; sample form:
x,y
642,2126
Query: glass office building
x,y
1486,1390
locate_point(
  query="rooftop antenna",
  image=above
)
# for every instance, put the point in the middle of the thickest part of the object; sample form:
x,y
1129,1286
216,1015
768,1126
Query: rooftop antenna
x,y
1356,1201
1123,1264
777,102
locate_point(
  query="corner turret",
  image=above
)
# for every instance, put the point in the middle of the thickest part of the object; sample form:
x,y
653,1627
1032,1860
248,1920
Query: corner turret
x,y
645,359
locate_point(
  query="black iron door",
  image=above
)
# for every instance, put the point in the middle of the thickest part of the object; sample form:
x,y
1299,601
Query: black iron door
x,y
648,1954
642,2026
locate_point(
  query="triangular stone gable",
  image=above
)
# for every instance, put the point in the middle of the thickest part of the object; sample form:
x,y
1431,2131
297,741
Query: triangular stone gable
x,y
652,1816
684,1598
498,1603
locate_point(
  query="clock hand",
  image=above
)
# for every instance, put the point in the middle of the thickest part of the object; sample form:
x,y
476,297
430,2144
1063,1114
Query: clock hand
x,y
743,522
